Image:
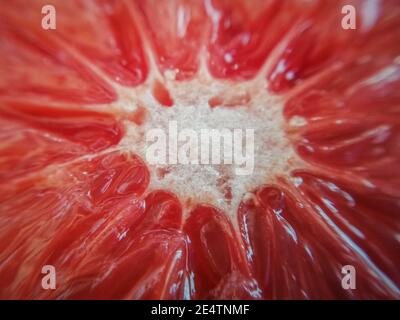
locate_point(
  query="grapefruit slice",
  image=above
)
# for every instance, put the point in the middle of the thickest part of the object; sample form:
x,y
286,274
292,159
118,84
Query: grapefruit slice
x,y
77,192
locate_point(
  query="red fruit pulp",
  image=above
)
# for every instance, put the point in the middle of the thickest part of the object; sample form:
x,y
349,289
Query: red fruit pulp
x,y
75,193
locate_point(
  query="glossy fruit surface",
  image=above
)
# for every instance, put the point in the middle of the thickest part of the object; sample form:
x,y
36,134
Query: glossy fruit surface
x,y
76,191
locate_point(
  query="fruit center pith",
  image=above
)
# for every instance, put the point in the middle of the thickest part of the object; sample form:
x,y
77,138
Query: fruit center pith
x,y
202,105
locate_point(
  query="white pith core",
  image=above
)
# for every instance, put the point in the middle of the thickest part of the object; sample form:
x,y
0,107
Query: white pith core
x,y
211,184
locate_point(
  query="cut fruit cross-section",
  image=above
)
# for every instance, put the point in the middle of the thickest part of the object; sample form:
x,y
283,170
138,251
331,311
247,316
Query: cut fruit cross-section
x,y
77,191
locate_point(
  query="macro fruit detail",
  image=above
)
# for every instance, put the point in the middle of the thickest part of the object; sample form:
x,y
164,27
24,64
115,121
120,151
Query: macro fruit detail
x,y
77,193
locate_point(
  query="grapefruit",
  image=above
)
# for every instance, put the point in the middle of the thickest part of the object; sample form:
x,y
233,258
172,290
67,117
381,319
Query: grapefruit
x,y
77,193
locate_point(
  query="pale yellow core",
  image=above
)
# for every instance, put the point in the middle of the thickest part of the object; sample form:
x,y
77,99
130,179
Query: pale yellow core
x,y
252,108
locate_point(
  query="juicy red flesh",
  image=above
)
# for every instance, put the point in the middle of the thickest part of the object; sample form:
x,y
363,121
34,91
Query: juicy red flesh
x,y
161,94
61,77
298,251
219,271
41,135
69,197
176,30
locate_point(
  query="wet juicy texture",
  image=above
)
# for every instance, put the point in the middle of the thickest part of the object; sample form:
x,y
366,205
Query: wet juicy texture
x,y
69,197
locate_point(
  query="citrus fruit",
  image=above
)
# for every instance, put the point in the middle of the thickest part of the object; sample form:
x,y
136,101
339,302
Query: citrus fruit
x,y
76,190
